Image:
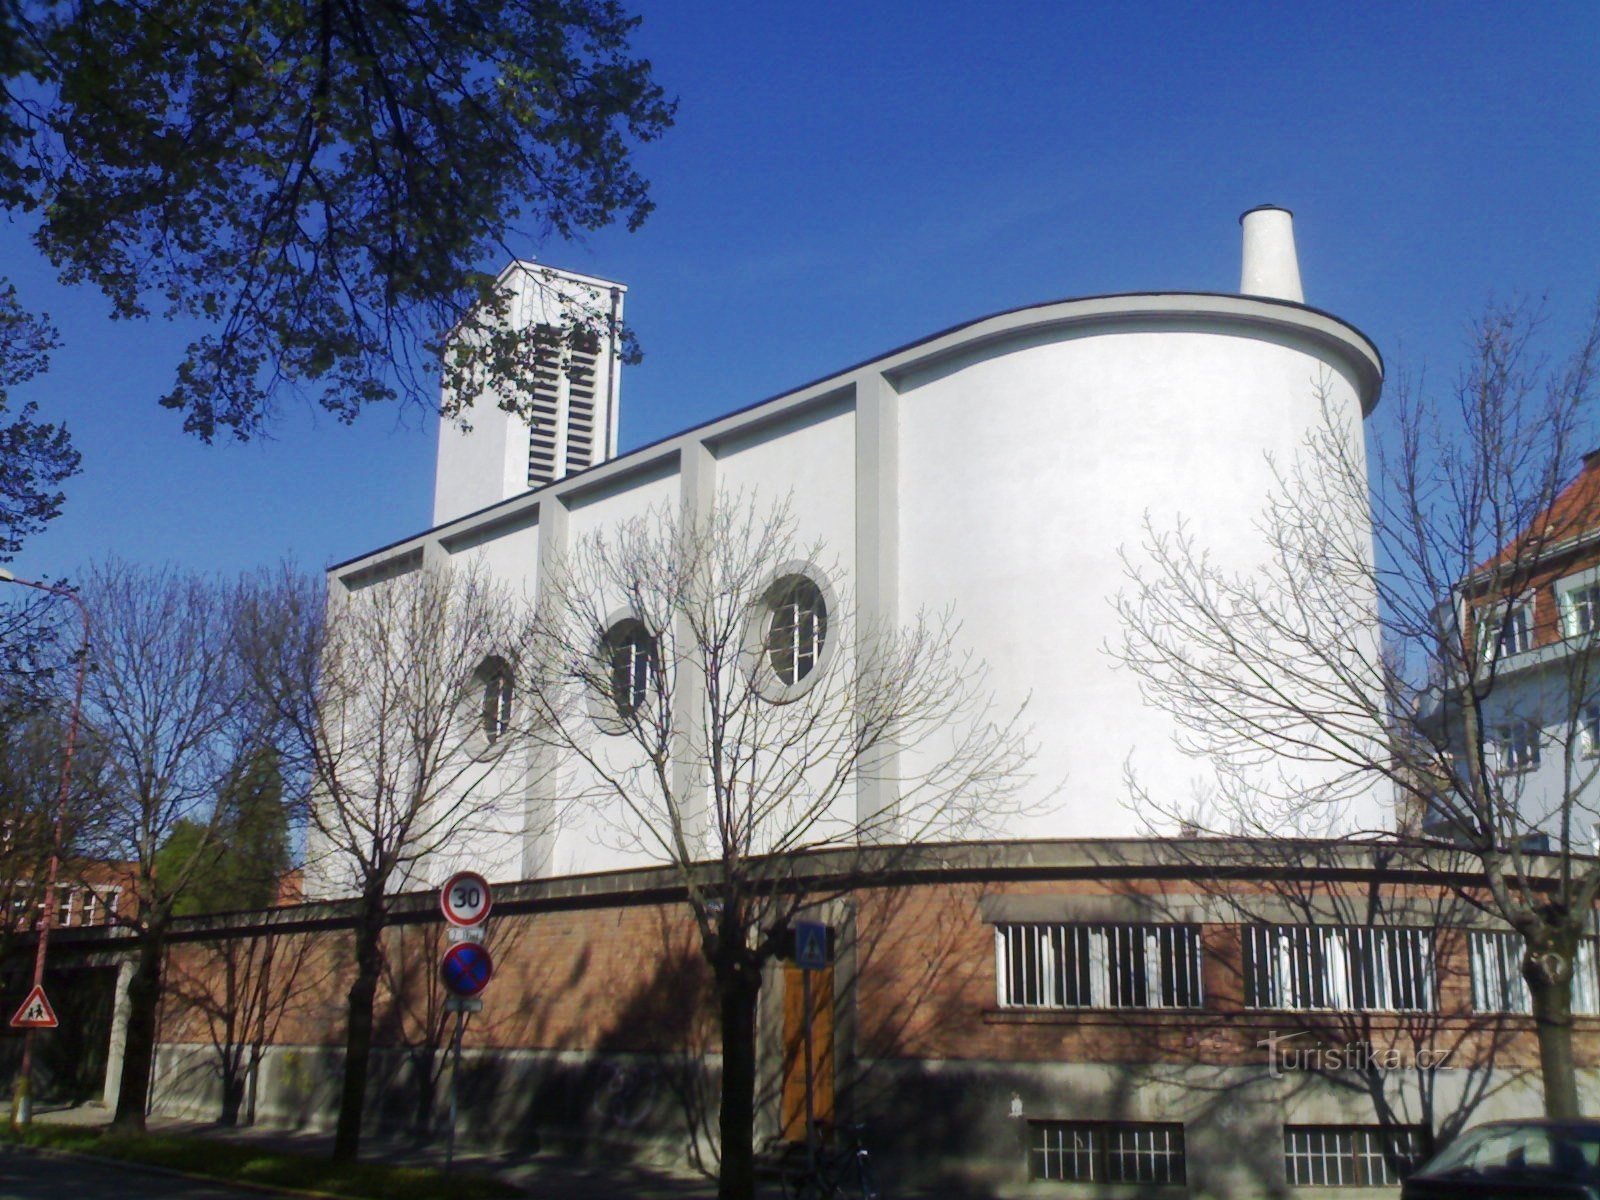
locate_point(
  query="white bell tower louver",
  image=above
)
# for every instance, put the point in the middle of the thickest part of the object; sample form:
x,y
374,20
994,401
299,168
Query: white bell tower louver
x,y
571,422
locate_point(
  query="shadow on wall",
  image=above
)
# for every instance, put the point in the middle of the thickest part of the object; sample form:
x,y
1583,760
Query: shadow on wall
x,y
229,999
563,1055
950,1076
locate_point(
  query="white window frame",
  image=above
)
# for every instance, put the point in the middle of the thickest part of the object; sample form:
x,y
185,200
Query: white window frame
x,y
1067,966
1515,746
100,907
1339,968
776,636
1118,1152
630,659
496,696
1578,603
797,629
1505,631
1347,1155
1589,730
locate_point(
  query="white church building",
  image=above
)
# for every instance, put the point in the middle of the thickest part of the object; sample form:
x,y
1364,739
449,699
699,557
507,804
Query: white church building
x,y
999,469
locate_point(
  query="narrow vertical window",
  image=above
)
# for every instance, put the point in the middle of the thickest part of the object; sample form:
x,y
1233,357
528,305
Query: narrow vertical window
x,y
494,698
629,653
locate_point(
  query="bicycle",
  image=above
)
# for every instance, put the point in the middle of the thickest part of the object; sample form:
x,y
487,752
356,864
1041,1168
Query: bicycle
x,y
839,1174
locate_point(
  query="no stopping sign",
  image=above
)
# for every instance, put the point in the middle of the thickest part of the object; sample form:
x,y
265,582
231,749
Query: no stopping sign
x,y
464,899
466,968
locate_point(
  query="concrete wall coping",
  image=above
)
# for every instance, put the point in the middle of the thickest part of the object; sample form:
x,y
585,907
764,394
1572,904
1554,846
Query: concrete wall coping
x,y
1106,861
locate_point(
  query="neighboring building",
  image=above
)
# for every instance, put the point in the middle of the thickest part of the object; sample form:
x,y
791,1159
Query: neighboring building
x,y
1531,620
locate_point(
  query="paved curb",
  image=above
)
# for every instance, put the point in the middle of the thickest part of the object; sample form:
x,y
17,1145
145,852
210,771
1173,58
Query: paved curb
x,y
125,1164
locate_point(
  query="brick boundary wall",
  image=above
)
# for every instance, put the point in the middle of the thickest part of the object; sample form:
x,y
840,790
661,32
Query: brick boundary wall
x,y
598,1030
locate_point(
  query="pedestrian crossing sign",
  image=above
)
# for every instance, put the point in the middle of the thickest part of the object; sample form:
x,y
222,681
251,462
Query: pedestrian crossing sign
x,y
810,945
35,1012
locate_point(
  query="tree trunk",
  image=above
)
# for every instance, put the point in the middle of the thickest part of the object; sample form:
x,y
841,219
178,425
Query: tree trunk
x,y
1547,966
232,1095
423,1066
739,988
231,1053
358,1027
139,1048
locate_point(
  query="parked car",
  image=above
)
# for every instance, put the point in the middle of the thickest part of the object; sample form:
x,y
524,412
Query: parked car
x,y
1514,1160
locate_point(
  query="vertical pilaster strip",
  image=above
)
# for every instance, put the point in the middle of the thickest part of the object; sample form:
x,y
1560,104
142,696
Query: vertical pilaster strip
x,y
877,573
697,494
434,556
541,796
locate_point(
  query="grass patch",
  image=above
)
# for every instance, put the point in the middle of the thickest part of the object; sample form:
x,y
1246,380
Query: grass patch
x,y
237,1162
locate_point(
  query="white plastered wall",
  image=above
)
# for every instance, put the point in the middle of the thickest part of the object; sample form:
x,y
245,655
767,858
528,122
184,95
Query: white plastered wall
x,y
1025,468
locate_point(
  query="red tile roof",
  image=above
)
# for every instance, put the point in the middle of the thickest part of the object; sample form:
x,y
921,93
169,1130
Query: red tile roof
x,y
1574,511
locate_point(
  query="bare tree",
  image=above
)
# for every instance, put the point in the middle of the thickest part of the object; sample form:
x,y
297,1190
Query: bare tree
x,y
170,716
236,990
406,702
719,710
1400,653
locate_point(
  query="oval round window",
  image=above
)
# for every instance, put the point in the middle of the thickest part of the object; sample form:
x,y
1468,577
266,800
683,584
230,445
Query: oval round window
x,y
797,628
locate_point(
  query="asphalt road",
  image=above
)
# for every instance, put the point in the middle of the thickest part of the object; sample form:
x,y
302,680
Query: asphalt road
x,y
26,1176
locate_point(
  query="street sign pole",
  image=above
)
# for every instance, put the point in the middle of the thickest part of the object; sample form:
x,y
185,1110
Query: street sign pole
x,y
811,953
465,971
455,1090
811,1128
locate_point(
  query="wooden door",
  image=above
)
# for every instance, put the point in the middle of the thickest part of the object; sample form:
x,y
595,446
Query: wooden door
x,y
794,1049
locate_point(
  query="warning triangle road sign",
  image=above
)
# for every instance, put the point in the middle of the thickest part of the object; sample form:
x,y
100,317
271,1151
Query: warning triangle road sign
x,y
35,1012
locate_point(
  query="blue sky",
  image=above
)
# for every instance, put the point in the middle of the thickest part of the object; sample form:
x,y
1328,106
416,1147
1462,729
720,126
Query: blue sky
x,y
844,178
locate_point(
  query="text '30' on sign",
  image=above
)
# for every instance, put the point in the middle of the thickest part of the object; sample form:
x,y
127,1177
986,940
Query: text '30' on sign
x,y
464,899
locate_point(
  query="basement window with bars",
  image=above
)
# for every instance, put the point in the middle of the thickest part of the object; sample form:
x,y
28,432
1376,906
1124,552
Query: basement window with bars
x,y
1098,966
1106,1152
1351,1155
1498,985
1338,967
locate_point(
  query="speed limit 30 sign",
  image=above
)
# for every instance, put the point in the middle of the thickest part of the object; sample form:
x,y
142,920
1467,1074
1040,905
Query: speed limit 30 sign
x,y
464,899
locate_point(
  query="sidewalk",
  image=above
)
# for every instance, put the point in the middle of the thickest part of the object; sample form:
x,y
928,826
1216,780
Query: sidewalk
x,y
545,1175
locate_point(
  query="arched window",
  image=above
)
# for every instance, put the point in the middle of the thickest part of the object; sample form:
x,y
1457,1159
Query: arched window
x,y
494,680
797,628
629,654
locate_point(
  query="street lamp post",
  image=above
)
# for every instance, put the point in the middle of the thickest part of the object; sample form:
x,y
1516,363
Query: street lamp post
x,y
22,1097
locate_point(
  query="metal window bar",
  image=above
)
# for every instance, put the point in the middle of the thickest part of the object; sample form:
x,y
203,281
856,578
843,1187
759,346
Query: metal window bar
x,y
1497,983
794,637
1104,1152
1349,1156
1098,966
1337,967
